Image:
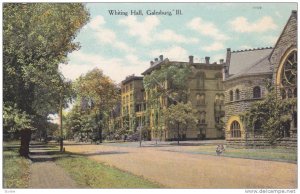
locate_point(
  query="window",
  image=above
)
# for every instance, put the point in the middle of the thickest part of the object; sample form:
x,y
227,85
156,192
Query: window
x,y
200,98
202,117
257,127
289,76
256,92
237,94
200,77
235,129
217,99
222,99
231,95
131,97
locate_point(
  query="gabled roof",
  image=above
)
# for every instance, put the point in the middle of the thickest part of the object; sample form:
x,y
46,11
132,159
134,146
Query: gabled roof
x,y
294,14
247,62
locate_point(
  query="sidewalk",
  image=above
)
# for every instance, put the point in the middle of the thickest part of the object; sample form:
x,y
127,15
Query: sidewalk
x,y
44,173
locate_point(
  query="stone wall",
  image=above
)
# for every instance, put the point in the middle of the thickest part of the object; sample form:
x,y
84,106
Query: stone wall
x,y
286,41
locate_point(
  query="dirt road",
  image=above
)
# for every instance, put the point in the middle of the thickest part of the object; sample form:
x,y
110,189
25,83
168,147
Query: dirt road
x,y
184,170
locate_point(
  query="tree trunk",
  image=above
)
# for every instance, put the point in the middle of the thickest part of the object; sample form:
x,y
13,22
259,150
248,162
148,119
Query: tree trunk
x,y
178,133
25,140
100,134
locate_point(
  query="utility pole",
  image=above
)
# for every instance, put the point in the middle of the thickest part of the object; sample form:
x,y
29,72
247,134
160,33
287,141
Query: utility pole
x,y
60,124
141,124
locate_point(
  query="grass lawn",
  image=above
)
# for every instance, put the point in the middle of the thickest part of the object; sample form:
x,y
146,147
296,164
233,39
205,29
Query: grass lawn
x,y
277,154
15,168
91,174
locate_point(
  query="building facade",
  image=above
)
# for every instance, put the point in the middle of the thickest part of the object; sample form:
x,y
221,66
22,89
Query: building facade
x,y
245,76
132,102
205,94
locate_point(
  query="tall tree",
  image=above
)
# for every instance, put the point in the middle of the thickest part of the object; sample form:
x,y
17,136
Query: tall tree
x,y
36,38
98,95
180,117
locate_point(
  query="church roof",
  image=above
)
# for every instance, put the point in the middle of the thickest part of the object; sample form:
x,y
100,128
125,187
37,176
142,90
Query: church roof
x,y
249,62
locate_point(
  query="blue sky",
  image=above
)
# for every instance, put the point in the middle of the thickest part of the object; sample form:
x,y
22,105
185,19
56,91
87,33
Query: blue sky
x,y
121,45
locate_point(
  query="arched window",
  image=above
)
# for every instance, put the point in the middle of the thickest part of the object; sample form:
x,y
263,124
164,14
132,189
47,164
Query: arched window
x,y
288,75
256,92
231,95
222,99
237,94
200,99
235,129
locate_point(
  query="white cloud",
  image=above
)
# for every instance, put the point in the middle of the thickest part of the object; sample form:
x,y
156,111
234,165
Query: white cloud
x,y
142,29
170,36
107,36
243,47
146,31
175,53
216,46
97,22
269,39
116,68
207,28
241,24
217,57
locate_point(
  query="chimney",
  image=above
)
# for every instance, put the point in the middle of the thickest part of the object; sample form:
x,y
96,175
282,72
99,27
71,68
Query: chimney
x,y
226,65
161,57
151,63
228,56
221,61
191,59
156,59
207,60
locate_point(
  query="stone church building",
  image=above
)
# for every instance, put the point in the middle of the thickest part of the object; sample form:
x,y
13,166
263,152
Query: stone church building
x,y
245,74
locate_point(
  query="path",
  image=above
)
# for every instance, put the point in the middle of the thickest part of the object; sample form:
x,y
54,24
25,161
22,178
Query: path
x,y
44,173
184,170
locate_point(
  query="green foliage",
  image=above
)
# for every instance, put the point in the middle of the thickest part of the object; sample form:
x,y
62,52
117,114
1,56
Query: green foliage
x,y
36,38
169,81
15,168
181,113
14,119
96,96
273,113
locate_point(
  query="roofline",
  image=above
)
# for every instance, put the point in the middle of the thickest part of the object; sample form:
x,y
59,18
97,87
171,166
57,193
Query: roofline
x,y
247,75
294,13
132,78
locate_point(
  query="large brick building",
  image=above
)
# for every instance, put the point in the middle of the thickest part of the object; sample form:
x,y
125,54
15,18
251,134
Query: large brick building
x,y
205,94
